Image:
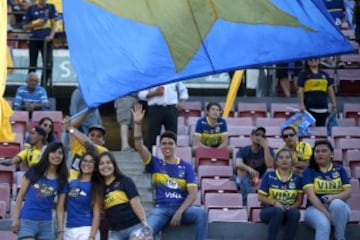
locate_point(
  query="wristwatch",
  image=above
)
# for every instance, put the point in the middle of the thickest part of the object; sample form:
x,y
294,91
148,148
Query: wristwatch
x,y
72,130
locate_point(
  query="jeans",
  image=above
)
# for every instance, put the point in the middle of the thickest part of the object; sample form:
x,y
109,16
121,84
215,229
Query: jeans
x,y
37,229
160,216
340,213
246,186
124,234
275,216
35,47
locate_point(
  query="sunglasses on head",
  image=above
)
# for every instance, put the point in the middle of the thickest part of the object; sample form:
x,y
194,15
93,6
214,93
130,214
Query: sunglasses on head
x,y
288,135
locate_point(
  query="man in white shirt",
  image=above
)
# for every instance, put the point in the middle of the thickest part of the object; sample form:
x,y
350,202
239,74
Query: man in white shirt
x,y
164,102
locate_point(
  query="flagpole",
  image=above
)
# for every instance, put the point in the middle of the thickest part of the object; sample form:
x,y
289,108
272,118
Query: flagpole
x,y
233,89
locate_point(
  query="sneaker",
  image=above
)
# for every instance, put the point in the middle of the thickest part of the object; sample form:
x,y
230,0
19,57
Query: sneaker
x,y
128,149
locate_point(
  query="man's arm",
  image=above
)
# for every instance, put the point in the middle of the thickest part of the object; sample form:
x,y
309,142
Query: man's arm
x,y
239,164
176,218
138,115
332,97
197,141
224,141
268,156
79,136
300,93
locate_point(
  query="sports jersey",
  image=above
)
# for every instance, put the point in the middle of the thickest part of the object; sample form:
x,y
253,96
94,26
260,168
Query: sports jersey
x,y
39,198
255,160
170,180
302,151
286,192
24,96
334,181
30,156
211,135
35,13
78,204
315,89
118,211
77,150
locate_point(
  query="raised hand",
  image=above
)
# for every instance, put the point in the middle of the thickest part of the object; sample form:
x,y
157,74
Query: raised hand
x,y
138,113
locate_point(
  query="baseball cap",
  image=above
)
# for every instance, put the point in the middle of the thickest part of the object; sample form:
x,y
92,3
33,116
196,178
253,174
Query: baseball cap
x,y
262,129
97,127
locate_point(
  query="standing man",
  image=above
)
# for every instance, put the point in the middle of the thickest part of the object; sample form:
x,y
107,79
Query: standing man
x,y
41,19
211,131
31,97
300,151
164,103
252,162
175,184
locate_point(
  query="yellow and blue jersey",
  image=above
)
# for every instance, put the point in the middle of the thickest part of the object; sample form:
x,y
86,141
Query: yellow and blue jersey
x,y
171,180
35,13
315,89
285,192
118,211
302,151
333,181
30,156
211,135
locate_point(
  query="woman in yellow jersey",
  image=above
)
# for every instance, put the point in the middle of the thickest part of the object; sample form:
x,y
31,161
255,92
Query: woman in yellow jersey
x,y
327,188
281,195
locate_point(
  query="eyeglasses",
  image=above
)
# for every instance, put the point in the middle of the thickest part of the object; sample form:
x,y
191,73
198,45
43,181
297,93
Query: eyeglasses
x,y
288,135
88,161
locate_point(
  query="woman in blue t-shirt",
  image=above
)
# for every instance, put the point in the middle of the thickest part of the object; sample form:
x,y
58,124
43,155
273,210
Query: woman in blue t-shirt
x,y
123,209
84,200
281,195
327,188
41,184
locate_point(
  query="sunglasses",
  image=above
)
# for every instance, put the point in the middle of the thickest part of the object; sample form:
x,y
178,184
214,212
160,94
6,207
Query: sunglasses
x,y
288,135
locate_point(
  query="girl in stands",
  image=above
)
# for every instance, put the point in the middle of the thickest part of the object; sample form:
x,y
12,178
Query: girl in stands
x,y
48,125
84,199
327,188
123,209
41,184
281,195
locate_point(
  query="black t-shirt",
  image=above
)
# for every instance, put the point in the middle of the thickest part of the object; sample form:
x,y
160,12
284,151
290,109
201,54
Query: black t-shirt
x,y
118,211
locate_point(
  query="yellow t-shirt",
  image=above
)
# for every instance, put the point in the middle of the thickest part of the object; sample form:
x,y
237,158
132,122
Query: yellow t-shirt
x,y
303,151
30,156
77,150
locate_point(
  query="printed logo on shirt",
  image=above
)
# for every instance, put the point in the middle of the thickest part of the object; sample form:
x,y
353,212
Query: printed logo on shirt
x,y
173,195
76,192
172,184
284,196
323,186
44,190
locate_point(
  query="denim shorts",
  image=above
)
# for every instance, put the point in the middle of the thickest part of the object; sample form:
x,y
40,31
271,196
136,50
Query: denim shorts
x,y
37,229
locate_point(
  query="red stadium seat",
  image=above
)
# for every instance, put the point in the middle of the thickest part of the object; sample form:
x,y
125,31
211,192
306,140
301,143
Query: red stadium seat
x,y
8,235
222,105
217,185
191,121
253,110
349,83
56,117
7,174
352,110
270,122
5,195
252,204
239,131
240,121
223,200
211,156
356,173
2,210
353,159
318,132
346,144
275,143
227,215
346,122
283,110
239,142
344,133
192,108
355,186
214,172
19,122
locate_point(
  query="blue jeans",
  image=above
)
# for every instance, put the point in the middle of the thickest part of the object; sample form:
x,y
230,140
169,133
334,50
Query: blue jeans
x,y
36,229
275,217
124,234
246,186
340,213
160,216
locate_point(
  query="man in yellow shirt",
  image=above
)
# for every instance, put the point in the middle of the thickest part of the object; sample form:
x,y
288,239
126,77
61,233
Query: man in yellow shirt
x,y
31,155
80,143
300,151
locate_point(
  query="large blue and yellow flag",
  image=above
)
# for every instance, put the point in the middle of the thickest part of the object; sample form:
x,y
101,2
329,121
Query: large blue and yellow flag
x,y
119,47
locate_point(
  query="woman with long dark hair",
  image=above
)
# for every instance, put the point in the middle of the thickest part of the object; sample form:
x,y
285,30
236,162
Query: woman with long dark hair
x,y
48,125
327,188
314,88
123,209
84,200
281,195
41,184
